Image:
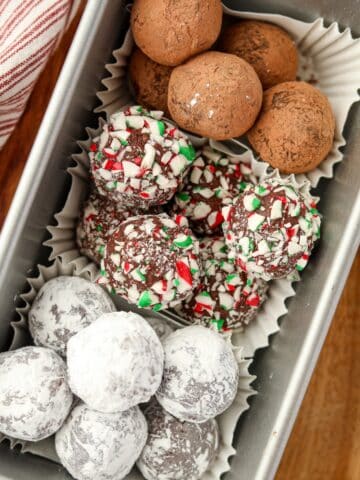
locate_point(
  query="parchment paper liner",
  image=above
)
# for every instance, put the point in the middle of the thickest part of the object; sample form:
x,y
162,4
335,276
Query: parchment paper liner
x,y
45,448
330,59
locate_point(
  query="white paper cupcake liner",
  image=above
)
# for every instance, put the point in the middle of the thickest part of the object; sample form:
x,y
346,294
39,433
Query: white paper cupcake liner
x,y
45,448
329,59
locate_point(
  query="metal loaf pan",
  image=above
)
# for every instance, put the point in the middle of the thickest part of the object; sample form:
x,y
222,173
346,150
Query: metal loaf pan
x,y
283,369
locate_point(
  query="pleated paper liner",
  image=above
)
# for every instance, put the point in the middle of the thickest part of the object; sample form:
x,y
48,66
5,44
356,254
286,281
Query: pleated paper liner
x,y
45,448
329,59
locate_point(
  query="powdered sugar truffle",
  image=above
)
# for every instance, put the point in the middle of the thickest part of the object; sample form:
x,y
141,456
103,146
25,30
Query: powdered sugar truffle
x,y
176,449
200,374
102,446
64,306
35,398
116,362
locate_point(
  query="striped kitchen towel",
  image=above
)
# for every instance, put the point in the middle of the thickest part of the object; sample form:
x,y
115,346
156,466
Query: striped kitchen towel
x,y
29,33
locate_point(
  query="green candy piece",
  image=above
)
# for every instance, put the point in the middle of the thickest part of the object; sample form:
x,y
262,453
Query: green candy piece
x,y
256,203
157,307
101,249
184,243
161,127
299,268
176,282
145,300
242,186
141,275
193,270
188,152
260,190
204,294
183,196
113,291
99,228
103,272
124,143
219,323
314,211
230,277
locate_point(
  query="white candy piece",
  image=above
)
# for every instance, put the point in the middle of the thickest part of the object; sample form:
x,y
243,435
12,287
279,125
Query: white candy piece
x,y
35,398
200,374
116,362
63,307
101,446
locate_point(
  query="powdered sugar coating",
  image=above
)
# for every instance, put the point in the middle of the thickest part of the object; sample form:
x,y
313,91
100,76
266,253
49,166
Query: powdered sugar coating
x,y
200,374
177,450
152,261
64,306
102,446
35,398
116,362
226,297
161,327
140,159
271,228
214,180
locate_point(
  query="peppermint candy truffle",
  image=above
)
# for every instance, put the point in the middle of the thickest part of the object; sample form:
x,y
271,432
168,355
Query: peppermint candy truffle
x,y
161,326
152,261
271,228
139,159
64,306
115,363
102,446
35,398
200,374
214,180
177,449
99,218
227,297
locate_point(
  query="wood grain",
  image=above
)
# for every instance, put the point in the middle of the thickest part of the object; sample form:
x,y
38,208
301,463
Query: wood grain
x,y
325,443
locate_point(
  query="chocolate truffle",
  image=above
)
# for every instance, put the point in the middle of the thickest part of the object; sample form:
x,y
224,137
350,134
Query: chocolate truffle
x,y
171,32
150,81
215,95
177,449
102,446
161,326
152,262
115,363
296,127
214,180
99,218
200,374
34,396
64,306
267,47
139,160
227,297
271,228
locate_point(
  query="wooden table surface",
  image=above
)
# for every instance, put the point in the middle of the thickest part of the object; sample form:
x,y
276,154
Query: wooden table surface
x,y
325,442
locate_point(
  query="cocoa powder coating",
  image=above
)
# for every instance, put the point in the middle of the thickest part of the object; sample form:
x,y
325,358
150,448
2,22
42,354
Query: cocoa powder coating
x,y
170,32
296,127
268,48
215,95
150,81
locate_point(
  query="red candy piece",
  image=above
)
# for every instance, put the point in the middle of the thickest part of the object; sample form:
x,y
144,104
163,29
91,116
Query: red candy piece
x,y
184,272
253,301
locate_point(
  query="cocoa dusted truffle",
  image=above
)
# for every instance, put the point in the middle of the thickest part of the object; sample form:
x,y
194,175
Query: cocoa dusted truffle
x,y
171,32
103,446
152,261
215,95
200,374
271,228
226,297
140,160
177,449
115,363
295,129
267,47
35,398
150,81
214,180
